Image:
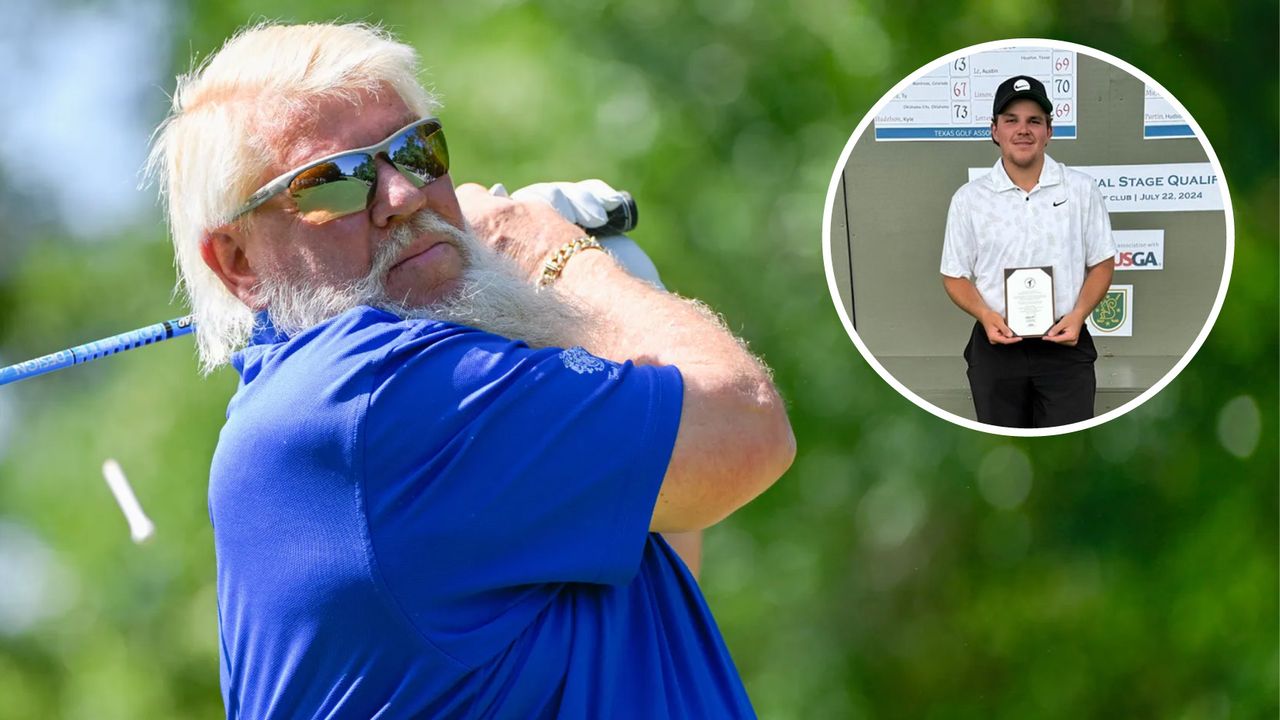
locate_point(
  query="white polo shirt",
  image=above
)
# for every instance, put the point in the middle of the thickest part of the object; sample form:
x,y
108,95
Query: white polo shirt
x,y
993,224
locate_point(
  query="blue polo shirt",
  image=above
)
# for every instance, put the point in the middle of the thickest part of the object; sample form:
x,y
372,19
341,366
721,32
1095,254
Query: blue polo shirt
x,y
415,519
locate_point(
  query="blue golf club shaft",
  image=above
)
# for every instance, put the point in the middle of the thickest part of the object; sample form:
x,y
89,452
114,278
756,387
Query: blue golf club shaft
x,y
96,349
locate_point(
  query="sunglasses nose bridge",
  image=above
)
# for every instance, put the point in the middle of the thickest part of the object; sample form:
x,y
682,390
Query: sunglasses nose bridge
x,y
395,193
385,165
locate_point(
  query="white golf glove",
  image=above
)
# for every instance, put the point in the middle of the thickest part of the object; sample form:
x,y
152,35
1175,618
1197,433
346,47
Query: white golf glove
x,y
587,204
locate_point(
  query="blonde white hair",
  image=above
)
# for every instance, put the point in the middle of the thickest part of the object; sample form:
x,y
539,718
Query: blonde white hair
x,y
209,155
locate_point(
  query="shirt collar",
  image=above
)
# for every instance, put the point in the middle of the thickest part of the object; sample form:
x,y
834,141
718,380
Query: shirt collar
x,y
999,178
1050,174
264,331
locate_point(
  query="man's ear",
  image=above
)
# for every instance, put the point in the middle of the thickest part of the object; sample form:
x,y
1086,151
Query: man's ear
x,y
223,250
1049,134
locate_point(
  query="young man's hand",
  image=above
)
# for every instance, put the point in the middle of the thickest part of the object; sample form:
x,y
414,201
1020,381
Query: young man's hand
x,y
998,332
1066,331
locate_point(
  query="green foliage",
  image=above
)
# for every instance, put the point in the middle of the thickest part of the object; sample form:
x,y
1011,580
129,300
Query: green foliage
x,y
904,567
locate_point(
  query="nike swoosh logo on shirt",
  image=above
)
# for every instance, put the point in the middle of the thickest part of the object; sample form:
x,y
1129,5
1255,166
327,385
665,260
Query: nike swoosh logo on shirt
x,y
1059,203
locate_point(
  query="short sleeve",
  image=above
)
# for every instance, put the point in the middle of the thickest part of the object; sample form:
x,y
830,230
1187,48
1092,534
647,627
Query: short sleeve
x,y
491,466
1099,242
959,246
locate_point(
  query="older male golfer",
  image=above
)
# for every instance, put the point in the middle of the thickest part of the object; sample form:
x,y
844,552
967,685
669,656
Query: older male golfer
x,y
438,489
1028,212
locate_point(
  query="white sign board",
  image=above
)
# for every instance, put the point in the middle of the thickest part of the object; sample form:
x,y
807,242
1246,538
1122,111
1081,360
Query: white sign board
x,y
1114,315
953,102
1160,120
1158,187
1139,249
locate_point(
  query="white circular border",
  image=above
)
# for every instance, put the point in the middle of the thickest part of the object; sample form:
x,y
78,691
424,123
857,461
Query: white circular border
x,y
1229,216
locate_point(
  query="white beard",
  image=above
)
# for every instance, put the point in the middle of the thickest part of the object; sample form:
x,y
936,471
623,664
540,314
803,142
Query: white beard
x,y
491,296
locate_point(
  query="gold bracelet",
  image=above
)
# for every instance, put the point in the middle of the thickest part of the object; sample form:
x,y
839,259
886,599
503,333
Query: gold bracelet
x,y
555,264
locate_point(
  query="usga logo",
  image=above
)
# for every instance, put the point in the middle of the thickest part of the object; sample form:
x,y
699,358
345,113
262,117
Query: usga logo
x,y
1139,249
1142,259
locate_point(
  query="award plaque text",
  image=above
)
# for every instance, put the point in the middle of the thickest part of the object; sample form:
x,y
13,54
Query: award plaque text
x,y
1028,300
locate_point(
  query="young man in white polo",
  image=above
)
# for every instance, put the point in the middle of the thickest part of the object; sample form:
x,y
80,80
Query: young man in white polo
x,y
1035,217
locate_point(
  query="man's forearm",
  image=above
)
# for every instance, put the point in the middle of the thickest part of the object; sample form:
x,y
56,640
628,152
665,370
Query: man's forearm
x,y
1097,281
965,295
734,438
629,319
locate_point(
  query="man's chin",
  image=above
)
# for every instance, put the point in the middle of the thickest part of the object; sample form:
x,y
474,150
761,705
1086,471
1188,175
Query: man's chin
x,y
426,279
1023,157
419,298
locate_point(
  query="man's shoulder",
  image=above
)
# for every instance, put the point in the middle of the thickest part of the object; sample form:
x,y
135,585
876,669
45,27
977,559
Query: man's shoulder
x,y
976,190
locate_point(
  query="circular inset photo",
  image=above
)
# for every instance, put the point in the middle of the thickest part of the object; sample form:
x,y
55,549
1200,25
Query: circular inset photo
x,y
1028,237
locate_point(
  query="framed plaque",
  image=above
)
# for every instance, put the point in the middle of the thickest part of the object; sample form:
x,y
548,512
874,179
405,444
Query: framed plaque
x,y
1028,300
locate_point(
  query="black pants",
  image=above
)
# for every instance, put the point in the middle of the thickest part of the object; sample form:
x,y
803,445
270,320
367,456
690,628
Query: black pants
x,y
1032,383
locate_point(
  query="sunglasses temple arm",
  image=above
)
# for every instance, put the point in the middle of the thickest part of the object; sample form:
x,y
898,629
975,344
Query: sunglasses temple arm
x,y
96,349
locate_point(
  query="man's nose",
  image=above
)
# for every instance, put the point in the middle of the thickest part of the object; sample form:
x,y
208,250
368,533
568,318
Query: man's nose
x,y
395,197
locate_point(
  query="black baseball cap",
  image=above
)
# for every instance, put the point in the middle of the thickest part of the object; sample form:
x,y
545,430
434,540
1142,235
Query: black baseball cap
x,y
1021,86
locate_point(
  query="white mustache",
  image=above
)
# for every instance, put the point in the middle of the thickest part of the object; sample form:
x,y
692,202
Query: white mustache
x,y
403,235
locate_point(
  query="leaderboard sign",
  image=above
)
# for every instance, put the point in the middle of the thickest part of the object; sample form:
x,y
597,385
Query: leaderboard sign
x,y
953,101
1160,119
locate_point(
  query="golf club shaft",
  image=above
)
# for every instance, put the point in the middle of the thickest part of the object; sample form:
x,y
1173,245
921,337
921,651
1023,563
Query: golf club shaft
x,y
96,349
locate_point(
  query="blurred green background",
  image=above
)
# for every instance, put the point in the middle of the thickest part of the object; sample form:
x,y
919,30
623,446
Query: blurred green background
x,y
904,568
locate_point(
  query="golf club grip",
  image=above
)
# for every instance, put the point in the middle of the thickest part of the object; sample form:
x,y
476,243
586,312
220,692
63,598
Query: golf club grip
x,y
622,219
96,349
